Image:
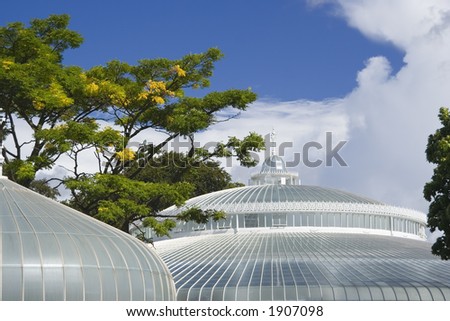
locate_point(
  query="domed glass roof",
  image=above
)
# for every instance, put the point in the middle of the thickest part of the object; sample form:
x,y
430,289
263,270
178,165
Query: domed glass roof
x,y
290,264
271,194
49,251
269,206
283,241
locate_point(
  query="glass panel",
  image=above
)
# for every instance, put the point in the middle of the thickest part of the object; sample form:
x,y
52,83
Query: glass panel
x,y
8,224
137,285
388,294
290,220
242,294
33,284
304,219
251,220
23,225
51,253
350,220
218,294
446,293
425,295
241,219
366,221
108,282
436,294
54,283
303,293
194,294
205,294
11,283
351,293
31,252
92,283
376,293
123,284
182,294
291,293
279,220
364,294
266,293
311,219
339,293
74,283
316,293
12,251
38,225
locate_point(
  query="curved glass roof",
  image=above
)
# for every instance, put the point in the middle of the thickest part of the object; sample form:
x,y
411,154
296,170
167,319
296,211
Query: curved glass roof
x,y
294,265
49,251
299,206
235,199
272,194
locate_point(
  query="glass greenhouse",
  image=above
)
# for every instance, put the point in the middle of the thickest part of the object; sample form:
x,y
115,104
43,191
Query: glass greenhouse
x,y
49,251
283,241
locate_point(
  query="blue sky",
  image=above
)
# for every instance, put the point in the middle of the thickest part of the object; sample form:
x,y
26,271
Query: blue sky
x,y
282,49
372,72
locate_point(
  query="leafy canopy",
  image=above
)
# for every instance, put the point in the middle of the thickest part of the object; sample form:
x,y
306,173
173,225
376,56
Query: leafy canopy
x,y
109,112
437,191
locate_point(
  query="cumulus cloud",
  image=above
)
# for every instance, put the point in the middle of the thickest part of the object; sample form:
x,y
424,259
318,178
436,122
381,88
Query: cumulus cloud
x,y
387,117
296,123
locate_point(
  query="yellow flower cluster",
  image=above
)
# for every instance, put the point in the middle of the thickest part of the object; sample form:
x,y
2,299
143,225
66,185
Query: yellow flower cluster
x,y
156,87
38,105
6,64
92,88
143,95
158,100
157,90
125,155
180,72
59,95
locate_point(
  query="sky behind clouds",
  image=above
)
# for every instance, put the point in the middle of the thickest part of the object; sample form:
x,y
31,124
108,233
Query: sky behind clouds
x,y
372,72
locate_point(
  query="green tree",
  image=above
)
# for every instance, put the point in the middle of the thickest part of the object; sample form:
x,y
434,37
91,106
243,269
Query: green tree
x,y
103,112
36,88
171,167
437,191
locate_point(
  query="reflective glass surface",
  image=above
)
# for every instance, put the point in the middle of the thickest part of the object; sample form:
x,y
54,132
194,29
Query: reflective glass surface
x,y
51,252
288,265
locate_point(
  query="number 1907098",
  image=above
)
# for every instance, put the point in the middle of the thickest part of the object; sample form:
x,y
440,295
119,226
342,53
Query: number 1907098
x,y
295,310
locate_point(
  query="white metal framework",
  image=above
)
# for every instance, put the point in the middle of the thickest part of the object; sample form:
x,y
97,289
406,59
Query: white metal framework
x,y
294,265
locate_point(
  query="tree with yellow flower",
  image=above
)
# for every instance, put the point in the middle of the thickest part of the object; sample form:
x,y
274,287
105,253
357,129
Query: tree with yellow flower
x,y
72,112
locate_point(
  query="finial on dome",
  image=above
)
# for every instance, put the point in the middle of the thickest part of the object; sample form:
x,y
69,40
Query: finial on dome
x,y
273,136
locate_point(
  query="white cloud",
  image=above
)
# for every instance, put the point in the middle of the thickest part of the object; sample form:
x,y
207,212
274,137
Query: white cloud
x,y
295,123
387,117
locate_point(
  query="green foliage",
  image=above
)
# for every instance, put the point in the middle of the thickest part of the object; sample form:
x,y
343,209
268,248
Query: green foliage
x,y
160,227
437,191
242,149
21,171
41,186
119,201
200,216
205,176
36,87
